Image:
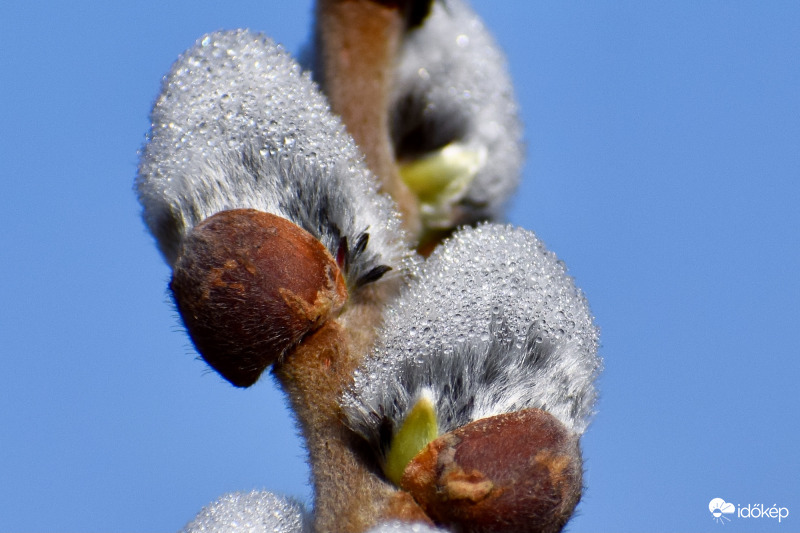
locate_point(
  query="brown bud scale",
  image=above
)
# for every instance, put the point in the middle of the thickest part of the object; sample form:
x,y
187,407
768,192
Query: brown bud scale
x,y
250,285
516,472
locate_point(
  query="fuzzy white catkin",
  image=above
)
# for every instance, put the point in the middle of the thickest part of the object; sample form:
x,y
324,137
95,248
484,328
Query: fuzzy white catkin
x,y
265,512
405,527
253,512
239,125
491,324
456,78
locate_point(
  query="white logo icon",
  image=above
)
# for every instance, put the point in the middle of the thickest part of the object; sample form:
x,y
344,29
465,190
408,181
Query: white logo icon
x,y
719,508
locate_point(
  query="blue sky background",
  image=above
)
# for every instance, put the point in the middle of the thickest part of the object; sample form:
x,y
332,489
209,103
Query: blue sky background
x,y
663,167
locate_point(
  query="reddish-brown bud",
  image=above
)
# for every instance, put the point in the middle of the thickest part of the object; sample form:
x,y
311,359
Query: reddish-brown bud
x,y
516,472
249,285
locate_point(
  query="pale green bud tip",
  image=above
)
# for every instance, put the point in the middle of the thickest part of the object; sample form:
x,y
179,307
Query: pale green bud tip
x,y
443,177
419,428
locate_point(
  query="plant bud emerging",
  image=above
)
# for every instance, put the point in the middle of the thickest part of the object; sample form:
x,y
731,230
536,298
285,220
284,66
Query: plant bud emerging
x,y
249,285
515,472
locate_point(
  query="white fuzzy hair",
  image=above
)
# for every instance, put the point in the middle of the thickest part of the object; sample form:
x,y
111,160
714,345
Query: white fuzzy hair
x,y
452,84
266,512
405,527
239,125
491,324
251,512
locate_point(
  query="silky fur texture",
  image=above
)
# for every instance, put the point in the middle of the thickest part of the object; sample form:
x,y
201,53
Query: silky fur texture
x,y
405,527
238,125
491,324
266,512
253,512
452,85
